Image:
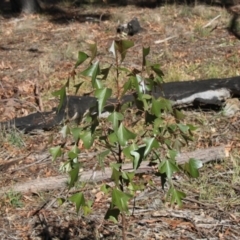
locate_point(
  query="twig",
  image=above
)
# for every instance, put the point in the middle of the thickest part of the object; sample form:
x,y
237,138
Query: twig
x,y
164,40
210,23
29,165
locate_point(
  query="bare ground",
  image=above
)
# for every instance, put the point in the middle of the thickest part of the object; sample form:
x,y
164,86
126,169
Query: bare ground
x,y
39,52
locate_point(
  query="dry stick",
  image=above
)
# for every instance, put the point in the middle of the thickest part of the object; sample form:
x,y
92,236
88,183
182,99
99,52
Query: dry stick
x,y
42,184
210,23
38,98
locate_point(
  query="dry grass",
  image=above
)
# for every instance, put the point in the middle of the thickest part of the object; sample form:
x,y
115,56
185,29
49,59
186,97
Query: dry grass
x,y
195,53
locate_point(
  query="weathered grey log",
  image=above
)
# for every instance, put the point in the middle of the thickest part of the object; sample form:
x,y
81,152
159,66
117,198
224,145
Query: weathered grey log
x,y
43,184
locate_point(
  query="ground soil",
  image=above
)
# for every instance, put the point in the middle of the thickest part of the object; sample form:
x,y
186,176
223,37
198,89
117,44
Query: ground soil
x,y
37,56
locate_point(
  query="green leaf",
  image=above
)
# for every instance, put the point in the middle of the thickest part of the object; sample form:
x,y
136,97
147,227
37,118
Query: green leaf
x,y
156,110
123,46
55,152
98,84
157,70
101,156
172,154
139,84
151,143
183,128
81,58
136,159
76,134
62,94
127,150
114,118
65,131
73,154
61,201
112,49
92,71
177,144
77,87
78,199
87,139
192,167
145,51
103,95
105,72
105,188
112,138
138,156
127,86
178,114
120,200
165,104
123,135
115,175
168,167
73,174
112,214
175,196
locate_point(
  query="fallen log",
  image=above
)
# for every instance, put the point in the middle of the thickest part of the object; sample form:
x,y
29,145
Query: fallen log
x,y
196,93
43,184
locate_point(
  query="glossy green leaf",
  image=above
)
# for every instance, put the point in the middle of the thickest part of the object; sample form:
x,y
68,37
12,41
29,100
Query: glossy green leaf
x,y
82,56
101,156
103,95
123,135
127,86
168,167
192,167
112,214
116,175
178,114
104,72
92,71
114,118
156,68
172,154
136,158
87,139
123,46
127,150
65,131
183,128
55,152
145,51
98,84
151,143
112,138
120,200
73,154
78,199
192,127
176,196
76,133
165,105
73,174
77,87
112,49
62,94
156,109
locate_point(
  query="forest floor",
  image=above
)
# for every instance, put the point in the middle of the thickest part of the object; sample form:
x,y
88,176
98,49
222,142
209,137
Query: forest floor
x,y
38,53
